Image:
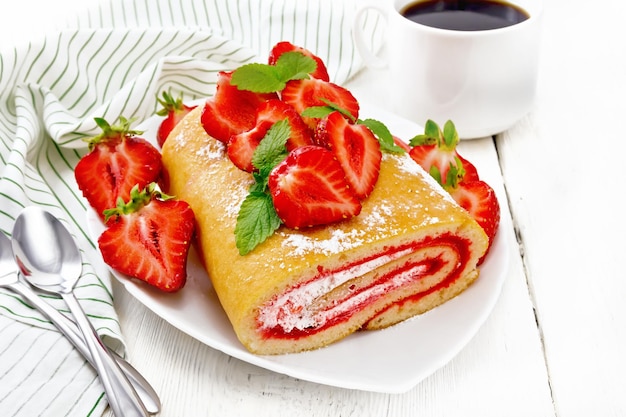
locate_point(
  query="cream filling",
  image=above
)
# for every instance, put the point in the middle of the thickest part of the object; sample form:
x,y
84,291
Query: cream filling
x,y
291,309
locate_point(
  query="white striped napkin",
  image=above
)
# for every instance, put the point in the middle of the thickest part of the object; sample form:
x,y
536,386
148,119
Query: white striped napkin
x,y
110,61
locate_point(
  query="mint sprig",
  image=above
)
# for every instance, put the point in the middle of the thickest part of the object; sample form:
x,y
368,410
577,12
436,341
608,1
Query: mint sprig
x,y
257,219
384,136
378,128
264,78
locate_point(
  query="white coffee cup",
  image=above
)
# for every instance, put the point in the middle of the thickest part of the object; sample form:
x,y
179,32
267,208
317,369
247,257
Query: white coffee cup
x,y
484,81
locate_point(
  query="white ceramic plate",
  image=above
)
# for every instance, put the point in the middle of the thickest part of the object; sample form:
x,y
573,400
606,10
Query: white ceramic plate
x,y
389,361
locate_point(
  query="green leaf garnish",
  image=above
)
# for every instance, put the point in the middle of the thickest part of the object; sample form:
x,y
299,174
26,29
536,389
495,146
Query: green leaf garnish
x,y
257,219
385,138
271,150
295,66
264,78
329,107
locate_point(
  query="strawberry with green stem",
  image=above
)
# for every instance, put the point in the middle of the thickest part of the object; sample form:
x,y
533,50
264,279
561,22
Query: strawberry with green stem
x,y
435,151
149,237
173,109
118,159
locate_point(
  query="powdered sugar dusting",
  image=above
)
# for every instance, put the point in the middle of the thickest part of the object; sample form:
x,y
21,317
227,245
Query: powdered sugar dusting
x,y
408,165
378,216
339,241
215,150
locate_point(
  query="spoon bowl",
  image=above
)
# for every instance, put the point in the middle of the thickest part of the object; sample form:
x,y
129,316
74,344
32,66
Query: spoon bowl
x,y
46,252
49,259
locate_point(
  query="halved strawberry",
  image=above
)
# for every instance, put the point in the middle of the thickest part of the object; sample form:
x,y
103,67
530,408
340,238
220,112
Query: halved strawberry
x,y
302,94
402,144
480,200
309,188
230,111
356,149
281,47
241,147
149,238
173,110
117,161
437,161
436,152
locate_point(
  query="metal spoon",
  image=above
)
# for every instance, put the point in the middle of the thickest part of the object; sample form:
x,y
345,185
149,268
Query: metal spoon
x,y
9,279
50,260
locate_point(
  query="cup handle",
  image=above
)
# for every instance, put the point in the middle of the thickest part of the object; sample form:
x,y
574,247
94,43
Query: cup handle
x,y
369,57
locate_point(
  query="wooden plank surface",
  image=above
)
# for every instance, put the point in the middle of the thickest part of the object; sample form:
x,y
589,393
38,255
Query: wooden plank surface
x,y
563,168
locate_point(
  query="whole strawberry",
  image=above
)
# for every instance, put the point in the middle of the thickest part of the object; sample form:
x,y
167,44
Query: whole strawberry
x,y
436,152
148,238
118,159
173,110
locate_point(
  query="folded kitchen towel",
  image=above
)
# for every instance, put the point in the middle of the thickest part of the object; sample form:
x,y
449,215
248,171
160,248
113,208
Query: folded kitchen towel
x,y
113,60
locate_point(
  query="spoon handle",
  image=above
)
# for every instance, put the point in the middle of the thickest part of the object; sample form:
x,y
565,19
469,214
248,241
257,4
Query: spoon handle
x,y
148,395
121,395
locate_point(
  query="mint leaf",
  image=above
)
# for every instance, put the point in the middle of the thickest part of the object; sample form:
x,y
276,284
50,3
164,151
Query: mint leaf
x,y
318,112
385,138
271,150
294,66
259,78
264,78
257,220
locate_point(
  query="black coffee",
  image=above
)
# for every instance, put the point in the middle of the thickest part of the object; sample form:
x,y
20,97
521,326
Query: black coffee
x,y
468,15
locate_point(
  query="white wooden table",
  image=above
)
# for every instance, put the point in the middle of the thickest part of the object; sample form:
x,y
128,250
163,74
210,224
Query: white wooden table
x,y
554,344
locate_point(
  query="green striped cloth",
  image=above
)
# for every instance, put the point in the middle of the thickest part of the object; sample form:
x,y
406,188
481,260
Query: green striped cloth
x,y
113,60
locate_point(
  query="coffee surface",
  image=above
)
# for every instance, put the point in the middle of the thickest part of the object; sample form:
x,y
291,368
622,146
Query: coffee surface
x,y
468,15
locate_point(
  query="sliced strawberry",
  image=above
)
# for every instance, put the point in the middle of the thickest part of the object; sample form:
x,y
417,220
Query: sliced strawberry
x,y
281,47
230,111
149,238
436,152
173,110
241,147
470,171
356,149
479,199
402,144
302,94
309,188
117,161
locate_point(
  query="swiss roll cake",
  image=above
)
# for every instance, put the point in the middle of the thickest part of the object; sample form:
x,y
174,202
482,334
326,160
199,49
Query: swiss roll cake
x,y
410,249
